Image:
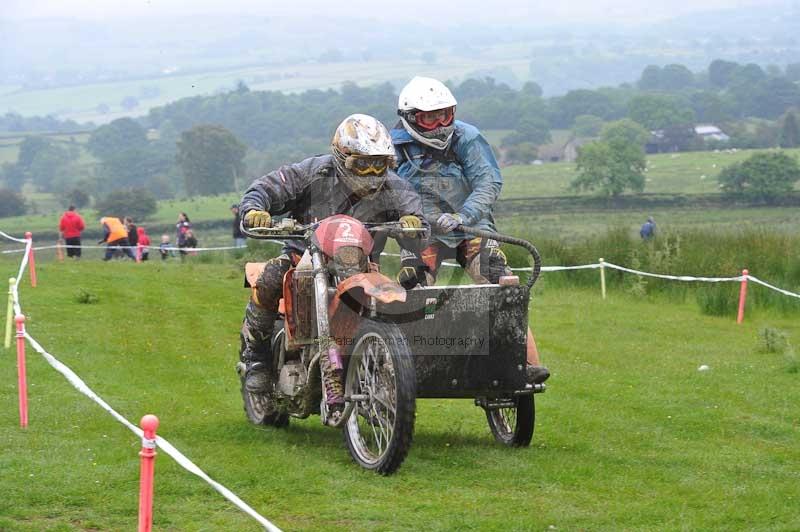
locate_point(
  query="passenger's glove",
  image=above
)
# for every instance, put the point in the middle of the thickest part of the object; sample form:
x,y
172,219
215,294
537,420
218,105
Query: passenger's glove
x,y
412,222
448,222
407,277
257,219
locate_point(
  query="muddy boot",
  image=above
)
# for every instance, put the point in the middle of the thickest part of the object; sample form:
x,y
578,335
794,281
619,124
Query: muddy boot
x,y
536,374
256,350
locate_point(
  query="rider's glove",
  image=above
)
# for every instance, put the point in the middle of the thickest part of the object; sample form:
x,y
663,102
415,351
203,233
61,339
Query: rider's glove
x,y
257,219
448,222
412,222
407,277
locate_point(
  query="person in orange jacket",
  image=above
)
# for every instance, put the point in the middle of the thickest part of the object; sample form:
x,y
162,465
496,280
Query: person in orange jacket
x,y
116,236
71,225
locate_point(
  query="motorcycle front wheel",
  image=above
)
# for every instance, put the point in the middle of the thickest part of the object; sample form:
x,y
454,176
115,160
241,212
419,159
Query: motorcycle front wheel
x,y
513,426
382,384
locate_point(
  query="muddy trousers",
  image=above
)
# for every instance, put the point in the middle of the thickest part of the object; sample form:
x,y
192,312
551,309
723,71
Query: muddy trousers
x,y
262,311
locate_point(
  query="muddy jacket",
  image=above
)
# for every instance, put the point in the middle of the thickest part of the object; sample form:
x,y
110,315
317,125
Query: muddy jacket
x,y
463,179
309,191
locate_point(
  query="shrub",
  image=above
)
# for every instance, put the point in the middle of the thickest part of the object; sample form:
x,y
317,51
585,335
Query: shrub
x,y
772,340
11,203
135,202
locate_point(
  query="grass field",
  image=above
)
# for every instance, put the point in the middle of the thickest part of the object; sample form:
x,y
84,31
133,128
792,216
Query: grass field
x,y
673,173
630,435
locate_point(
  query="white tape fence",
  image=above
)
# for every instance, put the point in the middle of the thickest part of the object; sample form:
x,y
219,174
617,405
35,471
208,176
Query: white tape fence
x,y
82,387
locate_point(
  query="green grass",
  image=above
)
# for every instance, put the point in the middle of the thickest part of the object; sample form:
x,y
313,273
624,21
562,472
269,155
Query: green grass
x,y
675,173
629,436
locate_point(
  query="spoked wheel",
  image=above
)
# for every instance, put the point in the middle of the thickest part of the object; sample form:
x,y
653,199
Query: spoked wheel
x,y
382,385
513,426
260,407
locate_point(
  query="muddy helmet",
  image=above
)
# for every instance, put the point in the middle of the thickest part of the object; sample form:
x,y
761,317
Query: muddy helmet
x,y
427,110
363,153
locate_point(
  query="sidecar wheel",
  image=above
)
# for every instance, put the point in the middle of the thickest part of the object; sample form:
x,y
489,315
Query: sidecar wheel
x,y
513,426
380,370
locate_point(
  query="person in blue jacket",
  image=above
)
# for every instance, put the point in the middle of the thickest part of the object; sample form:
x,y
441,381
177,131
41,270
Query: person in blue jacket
x,y
453,169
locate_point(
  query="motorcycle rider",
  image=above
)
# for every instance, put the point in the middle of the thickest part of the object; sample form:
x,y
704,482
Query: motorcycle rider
x,y
356,179
452,167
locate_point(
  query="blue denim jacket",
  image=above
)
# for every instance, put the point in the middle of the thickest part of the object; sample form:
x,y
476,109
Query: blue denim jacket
x,y
463,179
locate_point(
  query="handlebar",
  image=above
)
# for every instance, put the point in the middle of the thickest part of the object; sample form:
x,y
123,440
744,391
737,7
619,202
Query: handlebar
x,y
537,259
289,229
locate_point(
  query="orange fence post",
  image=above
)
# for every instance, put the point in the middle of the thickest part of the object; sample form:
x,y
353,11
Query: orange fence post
x,y
149,424
31,263
22,382
60,249
742,297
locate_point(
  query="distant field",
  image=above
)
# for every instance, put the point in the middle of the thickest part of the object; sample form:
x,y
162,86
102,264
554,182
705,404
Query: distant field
x,y
676,173
80,103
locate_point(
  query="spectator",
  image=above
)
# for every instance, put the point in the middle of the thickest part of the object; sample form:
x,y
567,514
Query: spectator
x,y
648,230
188,242
144,242
163,248
181,227
133,235
116,236
71,226
238,237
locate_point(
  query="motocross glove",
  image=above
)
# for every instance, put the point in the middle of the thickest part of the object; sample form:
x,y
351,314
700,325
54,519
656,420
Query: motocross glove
x,y
407,277
412,222
448,222
257,219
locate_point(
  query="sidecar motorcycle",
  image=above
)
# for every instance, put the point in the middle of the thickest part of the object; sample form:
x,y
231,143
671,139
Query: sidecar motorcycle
x,y
392,345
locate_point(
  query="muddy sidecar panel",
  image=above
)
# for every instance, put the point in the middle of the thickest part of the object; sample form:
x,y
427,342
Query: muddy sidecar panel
x,y
467,340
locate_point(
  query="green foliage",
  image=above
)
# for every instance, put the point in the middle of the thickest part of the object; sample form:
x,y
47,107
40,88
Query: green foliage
x,y
78,197
670,78
211,159
717,300
763,176
771,340
587,125
85,297
11,203
117,136
522,153
610,167
625,131
135,202
790,133
659,111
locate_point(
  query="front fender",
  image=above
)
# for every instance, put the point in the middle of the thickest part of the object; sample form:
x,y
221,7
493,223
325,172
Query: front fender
x,y
352,295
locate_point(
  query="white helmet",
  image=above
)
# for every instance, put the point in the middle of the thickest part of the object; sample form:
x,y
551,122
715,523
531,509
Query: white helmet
x,y
426,95
362,153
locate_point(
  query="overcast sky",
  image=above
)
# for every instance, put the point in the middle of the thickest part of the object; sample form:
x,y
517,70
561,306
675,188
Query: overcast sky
x,y
624,11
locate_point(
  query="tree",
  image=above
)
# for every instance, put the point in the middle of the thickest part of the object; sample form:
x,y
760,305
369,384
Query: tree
x,y
719,72
78,197
135,202
651,78
11,203
762,176
129,102
790,135
29,149
625,131
211,159
116,136
522,153
657,111
793,72
610,167
51,163
587,125
676,78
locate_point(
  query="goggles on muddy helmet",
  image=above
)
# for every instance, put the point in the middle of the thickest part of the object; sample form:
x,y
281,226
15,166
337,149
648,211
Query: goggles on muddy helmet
x,y
366,164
